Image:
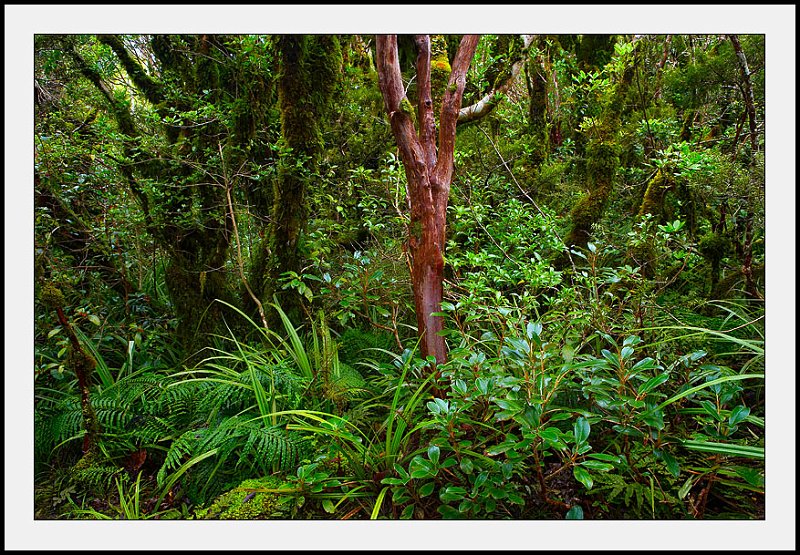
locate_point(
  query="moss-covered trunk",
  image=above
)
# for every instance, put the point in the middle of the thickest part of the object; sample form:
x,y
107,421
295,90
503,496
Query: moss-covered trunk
x,y
601,167
195,279
310,67
537,110
602,162
81,363
655,193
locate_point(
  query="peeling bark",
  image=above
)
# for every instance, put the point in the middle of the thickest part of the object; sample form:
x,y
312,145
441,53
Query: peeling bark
x,y
429,170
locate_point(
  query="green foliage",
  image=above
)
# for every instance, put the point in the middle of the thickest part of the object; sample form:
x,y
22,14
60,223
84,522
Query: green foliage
x,y
622,378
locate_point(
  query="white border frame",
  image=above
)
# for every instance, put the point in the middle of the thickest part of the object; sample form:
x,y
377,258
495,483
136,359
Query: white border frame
x,y
777,531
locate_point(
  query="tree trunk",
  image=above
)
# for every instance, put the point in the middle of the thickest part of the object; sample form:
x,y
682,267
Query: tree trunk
x,y
747,90
309,73
602,162
537,110
428,169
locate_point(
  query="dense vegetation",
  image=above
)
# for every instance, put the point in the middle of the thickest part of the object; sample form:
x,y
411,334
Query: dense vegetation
x,y
229,232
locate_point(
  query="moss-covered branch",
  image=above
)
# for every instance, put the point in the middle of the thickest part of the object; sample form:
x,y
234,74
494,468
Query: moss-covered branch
x,y
501,83
80,362
146,84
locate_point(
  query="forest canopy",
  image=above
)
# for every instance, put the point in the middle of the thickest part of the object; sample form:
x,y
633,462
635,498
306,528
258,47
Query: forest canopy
x,y
403,277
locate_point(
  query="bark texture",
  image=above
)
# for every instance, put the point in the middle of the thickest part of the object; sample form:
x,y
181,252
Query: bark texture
x,y
429,170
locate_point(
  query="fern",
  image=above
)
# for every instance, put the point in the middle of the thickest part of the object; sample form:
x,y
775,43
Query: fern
x,y
243,439
98,476
182,447
614,488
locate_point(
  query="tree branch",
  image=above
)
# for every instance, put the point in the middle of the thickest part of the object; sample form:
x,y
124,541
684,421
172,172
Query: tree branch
x,y
448,119
149,86
412,152
121,113
748,90
427,125
486,104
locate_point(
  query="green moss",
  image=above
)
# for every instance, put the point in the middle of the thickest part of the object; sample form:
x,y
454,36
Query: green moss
x,y
440,68
714,247
310,74
408,109
51,296
601,168
80,361
653,201
255,499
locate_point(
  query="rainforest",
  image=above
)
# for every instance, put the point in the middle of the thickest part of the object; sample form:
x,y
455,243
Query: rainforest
x,y
399,277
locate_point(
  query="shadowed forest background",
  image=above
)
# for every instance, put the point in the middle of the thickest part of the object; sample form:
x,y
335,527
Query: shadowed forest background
x,y
411,277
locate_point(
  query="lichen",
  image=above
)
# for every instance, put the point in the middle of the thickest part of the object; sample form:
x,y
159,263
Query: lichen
x,y
255,499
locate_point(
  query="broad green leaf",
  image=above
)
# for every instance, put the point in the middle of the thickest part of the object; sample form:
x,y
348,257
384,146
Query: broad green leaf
x,y
452,493
498,449
738,414
448,462
646,363
627,430
654,419
610,357
498,493
433,454
533,329
751,475
583,476
672,465
480,480
605,457
401,471
560,416
426,489
652,383
631,340
711,409
465,505
597,465
575,513
581,430
448,512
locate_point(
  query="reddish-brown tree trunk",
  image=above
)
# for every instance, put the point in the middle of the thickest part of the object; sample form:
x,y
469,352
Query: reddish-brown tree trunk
x,y
429,170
